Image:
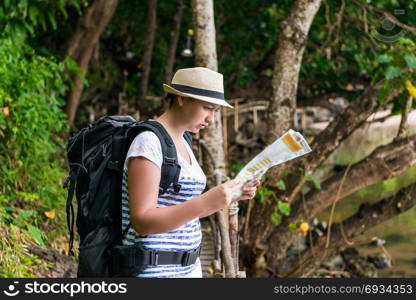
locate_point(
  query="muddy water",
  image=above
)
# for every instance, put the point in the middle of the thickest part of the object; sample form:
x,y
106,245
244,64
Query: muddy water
x,y
400,236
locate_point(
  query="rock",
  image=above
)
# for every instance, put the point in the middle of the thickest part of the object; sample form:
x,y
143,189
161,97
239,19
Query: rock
x,y
377,242
380,261
335,262
357,265
298,246
64,266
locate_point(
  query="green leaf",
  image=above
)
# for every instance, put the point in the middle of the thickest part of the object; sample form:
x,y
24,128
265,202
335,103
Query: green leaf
x,y
293,227
317,184
406,42
52,20
276,219
63,11
29,28
37,235
392,72
384,90
384,58
237,167
33,13
261,197
281,185
42,22
410,60
315,181
284,208
262,192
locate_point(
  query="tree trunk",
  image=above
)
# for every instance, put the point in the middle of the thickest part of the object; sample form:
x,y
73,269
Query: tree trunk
x,y
292,42
345,232
176,27
280,117
82,44
403,128
206,56
148,52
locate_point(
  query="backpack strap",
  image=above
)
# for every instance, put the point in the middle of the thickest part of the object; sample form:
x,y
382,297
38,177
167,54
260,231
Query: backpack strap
x,y
188,138
170,166
71,180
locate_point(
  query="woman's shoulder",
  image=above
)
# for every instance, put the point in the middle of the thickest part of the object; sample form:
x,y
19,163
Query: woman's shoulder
x,y
146,144
147,136
147,140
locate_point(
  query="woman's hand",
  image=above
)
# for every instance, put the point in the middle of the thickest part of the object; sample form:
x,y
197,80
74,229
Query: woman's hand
x,y
249,190
221,196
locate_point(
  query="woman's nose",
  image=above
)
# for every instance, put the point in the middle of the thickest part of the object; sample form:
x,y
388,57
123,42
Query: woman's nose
x,y
210,118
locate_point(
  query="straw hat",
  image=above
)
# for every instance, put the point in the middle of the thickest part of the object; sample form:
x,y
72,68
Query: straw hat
x,y
198,83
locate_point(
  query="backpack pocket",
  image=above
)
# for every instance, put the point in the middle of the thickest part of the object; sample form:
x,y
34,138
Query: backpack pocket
x,y
94,253
128,260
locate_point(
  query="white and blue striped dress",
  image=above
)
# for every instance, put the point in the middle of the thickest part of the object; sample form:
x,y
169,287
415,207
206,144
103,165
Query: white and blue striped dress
x,y
186,237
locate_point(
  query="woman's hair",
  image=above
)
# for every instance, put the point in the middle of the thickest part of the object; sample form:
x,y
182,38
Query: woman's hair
x,y
170,99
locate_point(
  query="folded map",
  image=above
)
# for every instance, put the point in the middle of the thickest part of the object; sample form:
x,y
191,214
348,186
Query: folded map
x,y
289,146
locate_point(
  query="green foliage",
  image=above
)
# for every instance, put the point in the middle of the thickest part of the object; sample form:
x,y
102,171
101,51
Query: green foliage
x,y
392,63
276,219
393,66
15,260
249,30
31,122
410,61
262,192
316,182
236,167
392,72
284,208
343,56
37,235
384,58
293,227
23,17
281,185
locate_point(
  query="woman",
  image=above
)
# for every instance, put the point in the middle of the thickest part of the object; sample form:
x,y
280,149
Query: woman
x,y
170,222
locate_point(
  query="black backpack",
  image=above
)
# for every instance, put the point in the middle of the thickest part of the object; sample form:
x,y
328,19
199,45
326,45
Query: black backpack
x,y
96,156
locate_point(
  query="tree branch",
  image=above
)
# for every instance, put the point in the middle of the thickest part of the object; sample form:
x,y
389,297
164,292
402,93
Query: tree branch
x,y
176,26
403,122
385,162
354,226
148,52
83,42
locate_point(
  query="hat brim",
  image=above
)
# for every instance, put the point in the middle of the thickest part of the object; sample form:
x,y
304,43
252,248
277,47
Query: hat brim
x,y
171,90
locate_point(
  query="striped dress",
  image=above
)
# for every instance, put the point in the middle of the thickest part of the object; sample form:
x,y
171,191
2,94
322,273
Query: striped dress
x,y
184,238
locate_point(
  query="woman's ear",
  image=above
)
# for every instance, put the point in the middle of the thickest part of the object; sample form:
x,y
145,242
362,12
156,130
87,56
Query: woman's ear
x,y
181,101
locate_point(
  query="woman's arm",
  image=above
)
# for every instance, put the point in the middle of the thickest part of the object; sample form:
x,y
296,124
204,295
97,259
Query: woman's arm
x,y
206,214
143,182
